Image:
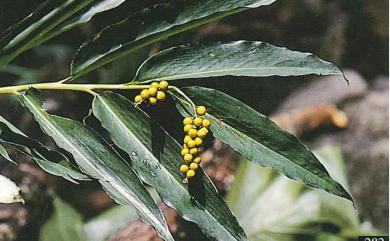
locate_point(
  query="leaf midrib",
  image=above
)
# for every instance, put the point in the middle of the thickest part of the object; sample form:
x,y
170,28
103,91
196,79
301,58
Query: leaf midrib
x,y
226,70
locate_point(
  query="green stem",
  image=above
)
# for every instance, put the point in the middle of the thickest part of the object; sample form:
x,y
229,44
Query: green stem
x,y
74,87
89,88
185,97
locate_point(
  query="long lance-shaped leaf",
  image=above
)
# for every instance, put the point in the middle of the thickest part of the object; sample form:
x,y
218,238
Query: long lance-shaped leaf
x,y
240,58
152,25
51,18
156,157
260,140
82,16
98,159
51,161
4,154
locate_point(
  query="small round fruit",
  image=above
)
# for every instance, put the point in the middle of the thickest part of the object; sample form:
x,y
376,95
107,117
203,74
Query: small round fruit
x,y
198,141
185,146
192,133
191,144
163,85
144,94
154,85
138,99
198,121
152,101
206,123
197,160
188,157
201,110
187,138
204,129
185,151
187,128
187,121
184,168
201,133
160,95
152,91
194,166
193,151
190,173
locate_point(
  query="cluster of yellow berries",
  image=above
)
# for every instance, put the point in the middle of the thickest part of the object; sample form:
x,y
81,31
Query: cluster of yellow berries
x,y
196,130
153,94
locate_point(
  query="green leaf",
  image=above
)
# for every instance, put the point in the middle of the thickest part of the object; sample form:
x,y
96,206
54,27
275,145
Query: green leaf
x,y
260,140
26,33
4,154
51,18
156,157
100,227
65,224
152,25
98,159
240,58
247,186
51,161
291,208
82,16
10,126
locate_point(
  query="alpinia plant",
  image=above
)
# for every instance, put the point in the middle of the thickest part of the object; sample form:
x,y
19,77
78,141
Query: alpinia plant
x,y
131,129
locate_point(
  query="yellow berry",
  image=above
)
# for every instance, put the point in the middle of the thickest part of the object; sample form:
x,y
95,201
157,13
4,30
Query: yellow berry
x,y
192,133
198,121
187,139
138,99
197,160
191,144
160,95
152,91
152,100
185,151
154,85
201,110
205,130
201,133
185,146
198,141
144,94
187,128
190,173
163,85
206,123
187,157
183,168
193,151
194,166
187,121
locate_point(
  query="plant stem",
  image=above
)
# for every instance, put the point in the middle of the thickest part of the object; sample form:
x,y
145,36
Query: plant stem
x,y
185,97
74,87
89,88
